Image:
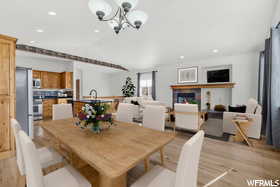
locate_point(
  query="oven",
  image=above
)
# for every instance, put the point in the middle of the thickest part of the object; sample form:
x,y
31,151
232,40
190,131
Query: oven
x,y
37,109
36,83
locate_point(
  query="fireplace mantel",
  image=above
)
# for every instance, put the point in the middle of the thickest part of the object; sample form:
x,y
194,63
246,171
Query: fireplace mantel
x,y
191,86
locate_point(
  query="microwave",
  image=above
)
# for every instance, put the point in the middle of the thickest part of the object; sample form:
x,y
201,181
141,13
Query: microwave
x,y
36,83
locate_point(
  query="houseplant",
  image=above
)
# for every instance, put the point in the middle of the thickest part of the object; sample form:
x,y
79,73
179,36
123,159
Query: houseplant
x,y
92,116
128,89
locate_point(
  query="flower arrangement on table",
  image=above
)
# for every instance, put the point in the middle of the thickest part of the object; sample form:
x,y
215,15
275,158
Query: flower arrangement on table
x,y
93,115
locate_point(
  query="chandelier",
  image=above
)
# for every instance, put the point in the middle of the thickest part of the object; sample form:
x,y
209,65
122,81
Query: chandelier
x,y
124,17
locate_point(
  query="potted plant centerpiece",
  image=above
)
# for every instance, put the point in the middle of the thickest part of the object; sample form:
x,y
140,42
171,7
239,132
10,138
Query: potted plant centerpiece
x,y
94,116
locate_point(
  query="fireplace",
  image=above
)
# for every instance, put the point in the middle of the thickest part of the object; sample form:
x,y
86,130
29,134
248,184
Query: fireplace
x,y
187,96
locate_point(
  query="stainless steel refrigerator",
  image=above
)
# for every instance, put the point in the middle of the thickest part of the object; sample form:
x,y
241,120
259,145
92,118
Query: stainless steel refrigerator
x,y
24,99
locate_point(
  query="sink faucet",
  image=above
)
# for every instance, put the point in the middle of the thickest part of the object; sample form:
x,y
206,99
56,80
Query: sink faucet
x,y
95,92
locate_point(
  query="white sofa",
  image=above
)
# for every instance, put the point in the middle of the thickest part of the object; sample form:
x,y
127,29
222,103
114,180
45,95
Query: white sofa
x,y
143,101
253,111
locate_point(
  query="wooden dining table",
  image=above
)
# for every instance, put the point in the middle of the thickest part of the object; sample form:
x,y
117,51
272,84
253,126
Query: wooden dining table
x,y
114,151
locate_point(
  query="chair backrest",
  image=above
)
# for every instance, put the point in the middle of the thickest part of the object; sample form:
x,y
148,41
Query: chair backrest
x,y
34,174
154,117
251,106
187,168
189,117
62,111
19,155
125,112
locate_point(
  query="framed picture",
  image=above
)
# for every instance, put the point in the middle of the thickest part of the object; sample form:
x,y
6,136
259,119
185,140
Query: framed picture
x,y
187,75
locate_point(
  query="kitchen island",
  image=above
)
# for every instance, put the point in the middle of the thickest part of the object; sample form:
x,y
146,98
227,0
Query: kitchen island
x,y
79,103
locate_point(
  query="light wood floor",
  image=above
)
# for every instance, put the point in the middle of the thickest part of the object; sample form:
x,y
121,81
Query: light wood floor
x,y
216,158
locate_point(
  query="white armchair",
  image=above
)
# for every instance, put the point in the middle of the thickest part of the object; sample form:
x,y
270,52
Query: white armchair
x,y
253,111
188,117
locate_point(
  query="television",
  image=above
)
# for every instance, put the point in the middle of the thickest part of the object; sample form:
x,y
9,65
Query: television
x,y
215,76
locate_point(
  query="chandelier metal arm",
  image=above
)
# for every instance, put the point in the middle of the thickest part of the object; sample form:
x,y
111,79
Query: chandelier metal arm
x,y
128,22
113,17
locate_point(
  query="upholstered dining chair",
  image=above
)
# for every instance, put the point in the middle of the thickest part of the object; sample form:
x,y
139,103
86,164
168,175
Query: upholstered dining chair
x,y
154,118
125,112
46,156
188,117
187,168
62,111
63,177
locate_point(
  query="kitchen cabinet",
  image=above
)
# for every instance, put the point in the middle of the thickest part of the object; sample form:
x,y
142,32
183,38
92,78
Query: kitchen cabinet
x,y
62,101
50,80
67,80
78,107
7,95
36,74
47,108
53,80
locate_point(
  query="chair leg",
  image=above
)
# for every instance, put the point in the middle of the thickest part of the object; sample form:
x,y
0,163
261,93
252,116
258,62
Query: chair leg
x,y
147,164
21,181
161,156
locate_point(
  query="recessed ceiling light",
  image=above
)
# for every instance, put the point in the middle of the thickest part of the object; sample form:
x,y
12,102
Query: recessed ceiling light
x,y
182,57
32,42
96,30
40,30
215,50
51,13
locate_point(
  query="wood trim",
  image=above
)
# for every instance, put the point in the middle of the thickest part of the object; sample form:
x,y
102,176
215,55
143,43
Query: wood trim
x,y
57,54
190,86
7,154
8,38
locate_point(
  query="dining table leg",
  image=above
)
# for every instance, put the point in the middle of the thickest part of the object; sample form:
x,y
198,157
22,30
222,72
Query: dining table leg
x,y
147,164
161,156
105,181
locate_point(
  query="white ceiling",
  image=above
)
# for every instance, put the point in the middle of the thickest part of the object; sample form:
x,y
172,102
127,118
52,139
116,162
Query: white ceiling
x,y
192,28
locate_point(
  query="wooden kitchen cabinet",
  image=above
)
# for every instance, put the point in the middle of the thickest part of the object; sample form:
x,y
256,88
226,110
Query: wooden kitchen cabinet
x,y
62,101
53,80
5,124
50,80
7,95
36,74
77,107
47,108
67,80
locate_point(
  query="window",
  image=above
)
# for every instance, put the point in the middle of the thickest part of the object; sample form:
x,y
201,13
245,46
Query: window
x,y
146,84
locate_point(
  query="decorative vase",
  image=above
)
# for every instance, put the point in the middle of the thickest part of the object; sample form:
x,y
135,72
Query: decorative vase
x,y
95,127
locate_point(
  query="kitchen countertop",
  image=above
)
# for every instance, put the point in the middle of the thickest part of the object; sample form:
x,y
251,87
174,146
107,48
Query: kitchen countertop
x,y
51,97
93,101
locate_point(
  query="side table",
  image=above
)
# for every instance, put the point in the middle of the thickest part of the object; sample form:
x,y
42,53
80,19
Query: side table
x,y
241,127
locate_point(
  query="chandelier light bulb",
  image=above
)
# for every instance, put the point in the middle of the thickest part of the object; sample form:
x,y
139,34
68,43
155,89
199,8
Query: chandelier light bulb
x,y
137,18
100,7
127,4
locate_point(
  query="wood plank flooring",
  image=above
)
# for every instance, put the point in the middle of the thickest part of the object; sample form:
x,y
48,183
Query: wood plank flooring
x,y
216,158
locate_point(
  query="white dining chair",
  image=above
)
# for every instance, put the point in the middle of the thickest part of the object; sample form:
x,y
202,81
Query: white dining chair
x,y
188,117
125,112
187,168
154,118
46,156
64,177
62,111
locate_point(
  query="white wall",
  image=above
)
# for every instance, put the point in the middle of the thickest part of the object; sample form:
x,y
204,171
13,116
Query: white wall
x,y
244,74
92,77
276,17
44,64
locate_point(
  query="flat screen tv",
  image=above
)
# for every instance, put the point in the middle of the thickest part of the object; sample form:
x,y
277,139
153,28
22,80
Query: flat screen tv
x,y
222,75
